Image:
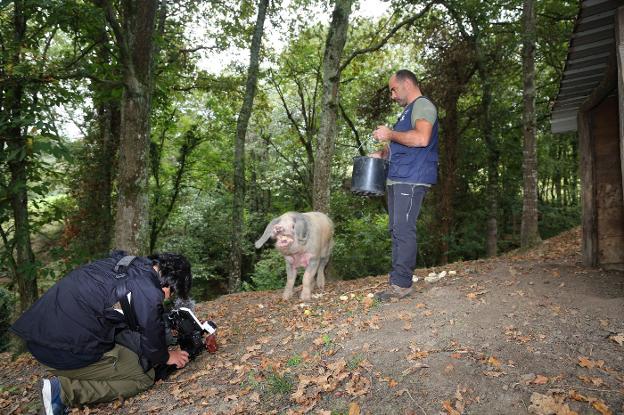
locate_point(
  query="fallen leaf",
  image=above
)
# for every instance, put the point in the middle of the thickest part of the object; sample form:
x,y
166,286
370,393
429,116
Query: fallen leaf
x,y
358,385
492,361
549,405
577,396
590,364
618,338
601,407
493,374
540,380
449,408
592,380
254,397
354,409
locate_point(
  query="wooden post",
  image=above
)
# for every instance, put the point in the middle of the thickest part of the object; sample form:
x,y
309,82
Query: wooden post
x,y
619,47
589,241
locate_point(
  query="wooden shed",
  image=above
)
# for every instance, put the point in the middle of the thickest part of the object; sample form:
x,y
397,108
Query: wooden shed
x,y
591,102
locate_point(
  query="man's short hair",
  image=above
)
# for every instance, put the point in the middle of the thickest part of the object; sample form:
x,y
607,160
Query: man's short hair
x,y
405,74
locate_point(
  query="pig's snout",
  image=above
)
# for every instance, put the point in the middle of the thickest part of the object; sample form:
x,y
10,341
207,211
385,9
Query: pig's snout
x,y
283,241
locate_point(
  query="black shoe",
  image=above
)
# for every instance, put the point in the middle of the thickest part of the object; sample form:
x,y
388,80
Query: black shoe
x,y
50,390
393,291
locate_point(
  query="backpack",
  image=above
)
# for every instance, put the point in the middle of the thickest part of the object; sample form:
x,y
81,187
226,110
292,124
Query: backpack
x,y
129,336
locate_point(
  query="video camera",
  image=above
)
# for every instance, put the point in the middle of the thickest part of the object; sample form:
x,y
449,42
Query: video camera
x,y
188,332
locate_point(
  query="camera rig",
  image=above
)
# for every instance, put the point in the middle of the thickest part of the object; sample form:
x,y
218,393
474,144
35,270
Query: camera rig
x,y
188,332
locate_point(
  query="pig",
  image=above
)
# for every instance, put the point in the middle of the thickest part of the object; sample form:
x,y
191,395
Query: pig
x,y
305,240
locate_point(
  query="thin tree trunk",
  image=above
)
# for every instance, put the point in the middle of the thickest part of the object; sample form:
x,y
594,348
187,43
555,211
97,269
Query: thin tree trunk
x,y
25,270
529,233
238,198
492,163
134,33
160,217
448,168
334,46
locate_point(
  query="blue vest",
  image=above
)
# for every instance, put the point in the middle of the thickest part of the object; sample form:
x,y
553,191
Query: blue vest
x,y
413,164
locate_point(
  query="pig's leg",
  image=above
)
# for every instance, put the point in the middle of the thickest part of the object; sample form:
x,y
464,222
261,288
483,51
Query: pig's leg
x,y
320,277
291,276
308,279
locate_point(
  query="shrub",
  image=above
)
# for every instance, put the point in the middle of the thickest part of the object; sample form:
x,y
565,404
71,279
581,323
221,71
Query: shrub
x,y
362,247
7,306
269,273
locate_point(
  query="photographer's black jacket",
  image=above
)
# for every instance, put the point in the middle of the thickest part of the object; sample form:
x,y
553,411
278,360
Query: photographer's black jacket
x,y
73,323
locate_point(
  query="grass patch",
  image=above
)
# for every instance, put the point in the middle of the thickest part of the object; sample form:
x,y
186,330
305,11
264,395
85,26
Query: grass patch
x,y
294,361
279,384
327,341
355,361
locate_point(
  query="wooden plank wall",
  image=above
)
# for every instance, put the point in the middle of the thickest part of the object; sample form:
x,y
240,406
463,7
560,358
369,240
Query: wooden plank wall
x,y
589,238
609,198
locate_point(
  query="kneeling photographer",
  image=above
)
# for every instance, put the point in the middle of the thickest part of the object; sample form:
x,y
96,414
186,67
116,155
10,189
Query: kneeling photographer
x,y
72,328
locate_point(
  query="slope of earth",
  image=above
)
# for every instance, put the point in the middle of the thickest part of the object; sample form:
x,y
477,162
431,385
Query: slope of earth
x,y
528,332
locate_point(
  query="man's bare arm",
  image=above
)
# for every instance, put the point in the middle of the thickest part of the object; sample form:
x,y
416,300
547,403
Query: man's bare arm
x,y
419,136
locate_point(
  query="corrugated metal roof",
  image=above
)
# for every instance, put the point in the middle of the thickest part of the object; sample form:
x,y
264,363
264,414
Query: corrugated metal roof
x,y
590,47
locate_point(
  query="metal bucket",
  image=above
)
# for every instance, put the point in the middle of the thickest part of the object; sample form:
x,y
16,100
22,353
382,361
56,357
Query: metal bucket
x,y
369,176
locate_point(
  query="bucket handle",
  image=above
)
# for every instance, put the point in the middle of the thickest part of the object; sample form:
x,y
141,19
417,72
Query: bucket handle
x,y
368,139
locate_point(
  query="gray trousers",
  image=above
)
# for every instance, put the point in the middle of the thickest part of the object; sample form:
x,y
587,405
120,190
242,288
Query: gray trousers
x,y
117,374
404,202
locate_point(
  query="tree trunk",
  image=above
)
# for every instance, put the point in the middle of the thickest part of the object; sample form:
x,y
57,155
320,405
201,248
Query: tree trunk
x,y
492,163
334,46
529,233
238,199
17,149
95,187
448,166
134,39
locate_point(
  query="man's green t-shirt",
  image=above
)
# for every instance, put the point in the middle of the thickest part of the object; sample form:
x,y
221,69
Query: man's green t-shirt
x,y
424,109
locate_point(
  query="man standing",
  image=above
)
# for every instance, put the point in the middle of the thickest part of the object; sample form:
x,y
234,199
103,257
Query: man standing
x,y
412,150
72,328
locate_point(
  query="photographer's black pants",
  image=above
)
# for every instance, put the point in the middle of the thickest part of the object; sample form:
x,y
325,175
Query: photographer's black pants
x,y
117,374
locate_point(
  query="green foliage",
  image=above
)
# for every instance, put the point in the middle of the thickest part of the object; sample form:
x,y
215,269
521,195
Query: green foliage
x,y
362,246
269,272
7,307
555,219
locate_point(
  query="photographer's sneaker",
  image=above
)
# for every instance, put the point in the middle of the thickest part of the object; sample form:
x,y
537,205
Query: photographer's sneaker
x,y
393,292
51,397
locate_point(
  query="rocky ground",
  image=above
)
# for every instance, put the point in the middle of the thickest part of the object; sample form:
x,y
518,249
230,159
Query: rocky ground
x,y
533,332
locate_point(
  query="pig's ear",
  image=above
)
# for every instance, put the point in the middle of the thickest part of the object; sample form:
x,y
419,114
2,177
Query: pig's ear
x,y
301,228
267,233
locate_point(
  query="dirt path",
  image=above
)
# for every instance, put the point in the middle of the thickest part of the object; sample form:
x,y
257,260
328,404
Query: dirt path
x,y
524,333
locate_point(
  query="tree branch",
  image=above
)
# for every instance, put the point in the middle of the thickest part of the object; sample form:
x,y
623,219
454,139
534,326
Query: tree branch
x,y
352,126
389,35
